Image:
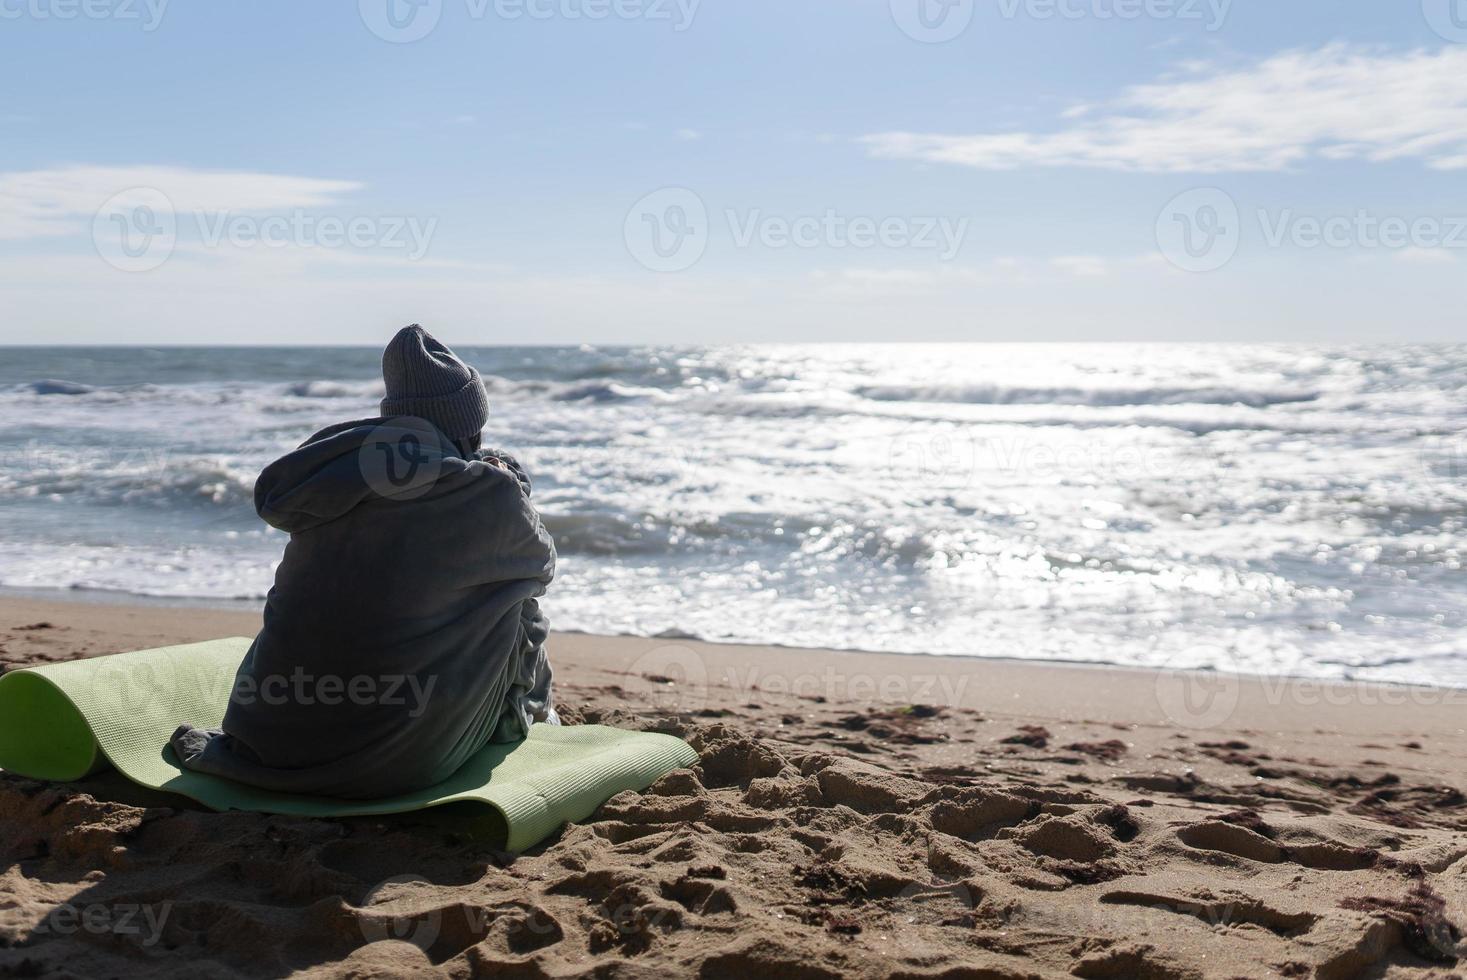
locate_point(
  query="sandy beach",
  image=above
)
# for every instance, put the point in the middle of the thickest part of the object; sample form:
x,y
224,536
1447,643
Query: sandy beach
x,y
852,815
618,490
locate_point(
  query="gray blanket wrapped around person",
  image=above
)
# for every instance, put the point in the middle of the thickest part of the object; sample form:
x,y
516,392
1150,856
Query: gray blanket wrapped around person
x,y
402,633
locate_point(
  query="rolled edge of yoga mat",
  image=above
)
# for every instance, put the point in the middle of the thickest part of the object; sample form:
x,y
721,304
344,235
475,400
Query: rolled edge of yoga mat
x,y
62,721
42,733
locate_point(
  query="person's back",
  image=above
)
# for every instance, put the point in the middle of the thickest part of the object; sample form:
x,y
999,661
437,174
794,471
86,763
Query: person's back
x,y
402,633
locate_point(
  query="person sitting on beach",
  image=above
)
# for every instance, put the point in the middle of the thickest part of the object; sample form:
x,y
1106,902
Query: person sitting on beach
x,y
403,631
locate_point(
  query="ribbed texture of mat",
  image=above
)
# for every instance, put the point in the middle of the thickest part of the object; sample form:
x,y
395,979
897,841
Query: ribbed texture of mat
x,y
132,702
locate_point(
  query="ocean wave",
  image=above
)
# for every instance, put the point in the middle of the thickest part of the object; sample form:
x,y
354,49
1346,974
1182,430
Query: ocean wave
x,y
194,393
53,386
68,391
603,534
54,391
335,389
1199,420
607,534
606,391
751,397
571,391
780,406
137,480
996,394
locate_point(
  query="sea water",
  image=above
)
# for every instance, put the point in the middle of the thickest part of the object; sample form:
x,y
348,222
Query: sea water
x,y
1291,510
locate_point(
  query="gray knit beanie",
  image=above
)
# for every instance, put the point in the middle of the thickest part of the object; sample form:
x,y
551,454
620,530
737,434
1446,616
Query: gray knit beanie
x,y
426,379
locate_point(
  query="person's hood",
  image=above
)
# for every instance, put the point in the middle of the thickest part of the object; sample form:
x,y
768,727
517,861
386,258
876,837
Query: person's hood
x,y
341,467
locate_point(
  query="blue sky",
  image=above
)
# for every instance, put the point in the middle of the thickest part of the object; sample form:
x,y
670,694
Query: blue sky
x,y
812,170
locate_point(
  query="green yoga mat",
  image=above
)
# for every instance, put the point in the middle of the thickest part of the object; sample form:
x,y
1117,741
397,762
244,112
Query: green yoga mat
x,y
64,721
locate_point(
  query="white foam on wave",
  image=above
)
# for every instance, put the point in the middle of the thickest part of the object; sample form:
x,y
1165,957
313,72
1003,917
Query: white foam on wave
x,y
1111,395
151,478
336,389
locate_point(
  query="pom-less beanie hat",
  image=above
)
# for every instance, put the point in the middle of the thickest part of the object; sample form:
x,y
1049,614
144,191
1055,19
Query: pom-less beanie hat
x,y
426,379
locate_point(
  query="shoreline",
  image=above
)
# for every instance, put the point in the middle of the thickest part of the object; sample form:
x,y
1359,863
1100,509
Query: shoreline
x,y
252,607
701,671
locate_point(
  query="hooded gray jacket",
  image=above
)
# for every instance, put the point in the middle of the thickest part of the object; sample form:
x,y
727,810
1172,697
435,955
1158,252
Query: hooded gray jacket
x,y
402,633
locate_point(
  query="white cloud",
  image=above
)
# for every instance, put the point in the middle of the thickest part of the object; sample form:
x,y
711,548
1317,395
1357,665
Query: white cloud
x,y
689,135
50,203
1339,102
